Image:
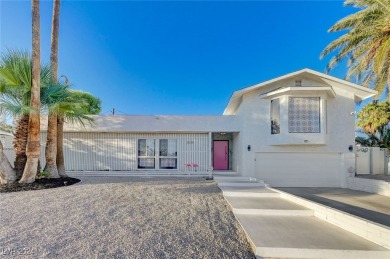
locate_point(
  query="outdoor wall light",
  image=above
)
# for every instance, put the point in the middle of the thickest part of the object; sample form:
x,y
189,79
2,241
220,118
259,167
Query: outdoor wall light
x,y
350,148
249,147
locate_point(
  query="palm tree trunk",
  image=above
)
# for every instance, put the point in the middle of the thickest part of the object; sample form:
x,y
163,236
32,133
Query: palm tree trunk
x,y
55,24
60,147
51,143
20,144
51,147
7,173
33,143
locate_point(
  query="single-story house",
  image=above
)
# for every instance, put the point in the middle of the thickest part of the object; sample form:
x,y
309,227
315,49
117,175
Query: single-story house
x,y
294,130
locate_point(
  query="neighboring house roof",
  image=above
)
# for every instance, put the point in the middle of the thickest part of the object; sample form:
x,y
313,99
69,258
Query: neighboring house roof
x,y
154,124
360,92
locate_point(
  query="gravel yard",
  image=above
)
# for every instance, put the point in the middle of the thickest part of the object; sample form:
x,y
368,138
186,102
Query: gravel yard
x,y
122,218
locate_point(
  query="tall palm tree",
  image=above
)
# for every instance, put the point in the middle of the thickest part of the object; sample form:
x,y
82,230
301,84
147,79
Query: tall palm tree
x,y
15,91
366,45
15,94
33,142
75,109
51,142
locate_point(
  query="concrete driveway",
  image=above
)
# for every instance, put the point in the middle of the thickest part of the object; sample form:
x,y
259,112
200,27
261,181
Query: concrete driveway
x,y
373,207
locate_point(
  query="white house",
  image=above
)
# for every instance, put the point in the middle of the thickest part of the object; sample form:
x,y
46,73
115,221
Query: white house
x,y
294,130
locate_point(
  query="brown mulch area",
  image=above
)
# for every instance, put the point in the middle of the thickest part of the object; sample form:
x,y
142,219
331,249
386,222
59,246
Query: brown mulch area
x,y
39,184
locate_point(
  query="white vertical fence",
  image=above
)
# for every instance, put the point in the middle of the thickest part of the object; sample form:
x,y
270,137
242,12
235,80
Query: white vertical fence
x,y
118,151
8,147
372,160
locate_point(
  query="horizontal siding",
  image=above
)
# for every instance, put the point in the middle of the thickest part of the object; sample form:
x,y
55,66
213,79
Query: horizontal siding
x,y
118,151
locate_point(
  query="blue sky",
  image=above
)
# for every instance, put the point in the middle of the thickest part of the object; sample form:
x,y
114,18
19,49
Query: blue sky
x,y
177,57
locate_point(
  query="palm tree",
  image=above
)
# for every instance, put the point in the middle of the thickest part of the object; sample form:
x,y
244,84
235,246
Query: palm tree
x,y
374,117
75,109
33,142
374,120
15,93
73,106
366,45
51,142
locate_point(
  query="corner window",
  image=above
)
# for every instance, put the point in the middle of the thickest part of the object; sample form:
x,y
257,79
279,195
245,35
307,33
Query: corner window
x,y
304,114
275,116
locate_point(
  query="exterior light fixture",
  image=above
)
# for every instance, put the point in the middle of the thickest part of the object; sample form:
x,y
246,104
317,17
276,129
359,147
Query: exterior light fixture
x,y
350,148
249,147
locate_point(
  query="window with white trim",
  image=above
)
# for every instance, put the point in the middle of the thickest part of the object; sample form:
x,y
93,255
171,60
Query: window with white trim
x,y
275,116
146,153
168,154
304,115
157,154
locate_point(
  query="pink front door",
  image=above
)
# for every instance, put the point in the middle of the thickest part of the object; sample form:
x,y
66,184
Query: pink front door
x,y
221,155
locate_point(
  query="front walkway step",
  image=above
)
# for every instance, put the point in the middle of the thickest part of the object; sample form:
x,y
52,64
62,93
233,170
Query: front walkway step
x,y
270,212
305,237
249,191
240,183
234,178
267,206
225,173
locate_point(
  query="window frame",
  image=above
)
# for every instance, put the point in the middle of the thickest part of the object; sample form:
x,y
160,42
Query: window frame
x,y
319,115
168,156
157,154
271,117
146,151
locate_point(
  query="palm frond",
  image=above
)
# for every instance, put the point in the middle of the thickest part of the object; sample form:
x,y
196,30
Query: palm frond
x,y
365,45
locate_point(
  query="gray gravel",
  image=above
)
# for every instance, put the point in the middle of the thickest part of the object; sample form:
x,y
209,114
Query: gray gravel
x,y
122,218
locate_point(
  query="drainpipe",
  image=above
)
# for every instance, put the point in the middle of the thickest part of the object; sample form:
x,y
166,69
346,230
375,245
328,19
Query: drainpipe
x,y
371,159
386,165
209,167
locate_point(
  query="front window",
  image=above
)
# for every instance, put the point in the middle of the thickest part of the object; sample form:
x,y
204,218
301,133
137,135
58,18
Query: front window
x,y
146,153
168,154
275,116
157,154
304,114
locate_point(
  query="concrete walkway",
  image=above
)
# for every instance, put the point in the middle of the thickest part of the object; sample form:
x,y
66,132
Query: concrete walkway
x,y
373,207
278,228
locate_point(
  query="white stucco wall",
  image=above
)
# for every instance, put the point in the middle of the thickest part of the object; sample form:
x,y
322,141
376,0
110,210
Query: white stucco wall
x,y
337,127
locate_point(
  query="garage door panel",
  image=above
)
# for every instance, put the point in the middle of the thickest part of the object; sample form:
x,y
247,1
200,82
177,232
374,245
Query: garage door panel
x,y
299,169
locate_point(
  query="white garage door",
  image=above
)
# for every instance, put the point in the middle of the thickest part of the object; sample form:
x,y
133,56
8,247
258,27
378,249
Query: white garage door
x,y
299,169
